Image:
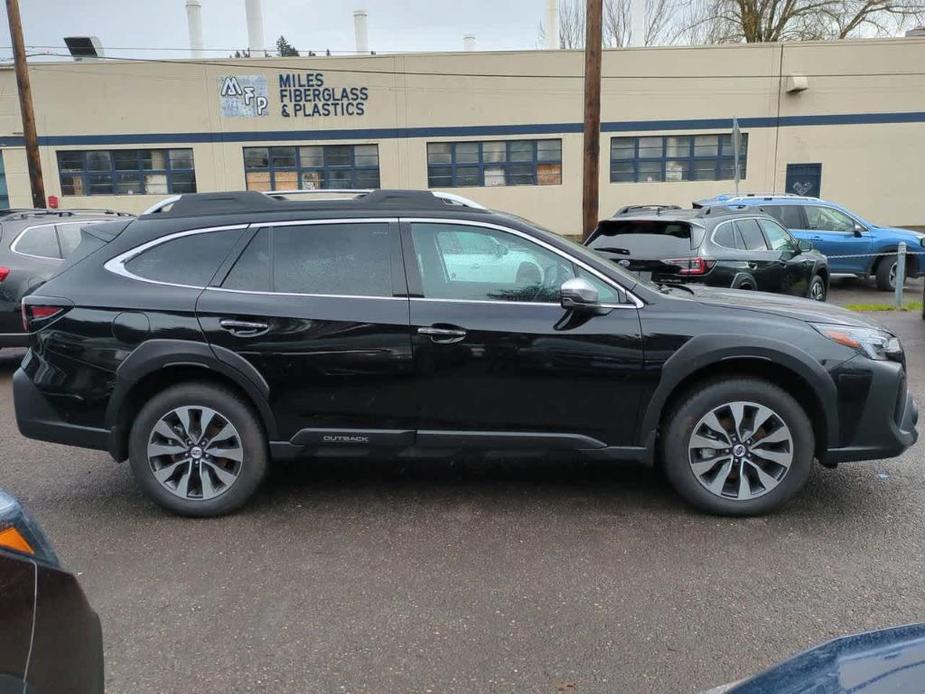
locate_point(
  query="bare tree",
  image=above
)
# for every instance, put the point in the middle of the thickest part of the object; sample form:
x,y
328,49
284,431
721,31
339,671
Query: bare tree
x,y
616,27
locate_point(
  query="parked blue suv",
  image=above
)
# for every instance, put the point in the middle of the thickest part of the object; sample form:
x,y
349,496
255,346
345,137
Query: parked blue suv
x,y
836,231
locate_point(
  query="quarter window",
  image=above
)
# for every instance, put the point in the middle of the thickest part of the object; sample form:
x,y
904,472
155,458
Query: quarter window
x,y
494,163
675,158
68,237
473,263
41,241
725,236
126,171
311,167
189,260
827,219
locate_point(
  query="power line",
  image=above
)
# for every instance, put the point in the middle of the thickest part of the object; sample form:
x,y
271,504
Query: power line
x,y
419,73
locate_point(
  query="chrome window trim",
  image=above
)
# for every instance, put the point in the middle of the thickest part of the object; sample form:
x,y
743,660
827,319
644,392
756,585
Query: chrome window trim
x,y
318,296
635,302
41,226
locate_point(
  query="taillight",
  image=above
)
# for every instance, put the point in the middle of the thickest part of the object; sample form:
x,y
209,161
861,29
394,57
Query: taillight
x,y
4,273
32,313
691,266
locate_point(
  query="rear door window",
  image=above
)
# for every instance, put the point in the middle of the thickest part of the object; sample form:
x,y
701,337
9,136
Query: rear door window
x,y
39,241
189,260
69,237
750,233
251,272
791,216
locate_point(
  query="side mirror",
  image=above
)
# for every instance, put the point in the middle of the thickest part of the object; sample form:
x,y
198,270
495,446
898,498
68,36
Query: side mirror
x,y
579,294
859,229
805,245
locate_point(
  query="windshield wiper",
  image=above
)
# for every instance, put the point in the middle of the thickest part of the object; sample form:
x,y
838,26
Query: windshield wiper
x,y
611,249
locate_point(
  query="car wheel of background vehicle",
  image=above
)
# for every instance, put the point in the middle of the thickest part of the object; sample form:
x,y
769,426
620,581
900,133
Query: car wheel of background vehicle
x,y
198,450
817,289
886,273
738,447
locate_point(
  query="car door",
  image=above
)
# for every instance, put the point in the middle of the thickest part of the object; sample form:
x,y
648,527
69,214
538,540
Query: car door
x,y
320,309
501,363
835,234
766,265
798,268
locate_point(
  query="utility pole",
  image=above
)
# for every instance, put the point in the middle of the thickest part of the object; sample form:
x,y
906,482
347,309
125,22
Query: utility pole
x,y
592,137
25,105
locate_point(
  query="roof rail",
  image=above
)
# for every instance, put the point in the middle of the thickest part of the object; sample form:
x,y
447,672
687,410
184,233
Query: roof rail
x,y
748,196
200,203
26,214
628,209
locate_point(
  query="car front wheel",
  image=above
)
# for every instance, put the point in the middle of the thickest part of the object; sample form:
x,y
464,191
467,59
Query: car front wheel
x,y
738,447
817,290
198,450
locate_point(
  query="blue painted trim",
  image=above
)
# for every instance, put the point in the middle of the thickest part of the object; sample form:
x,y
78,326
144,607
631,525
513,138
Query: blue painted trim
x,y
467,130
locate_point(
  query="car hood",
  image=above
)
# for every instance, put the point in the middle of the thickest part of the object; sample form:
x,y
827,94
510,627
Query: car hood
x,y
908,235
875,661
789,306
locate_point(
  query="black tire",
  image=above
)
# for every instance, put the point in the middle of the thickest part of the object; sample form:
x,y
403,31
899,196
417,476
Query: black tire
x,y
697,403
232,408
819,294
885,268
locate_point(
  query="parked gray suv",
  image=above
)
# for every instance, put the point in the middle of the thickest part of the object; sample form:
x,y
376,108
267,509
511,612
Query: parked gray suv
x,y
33,246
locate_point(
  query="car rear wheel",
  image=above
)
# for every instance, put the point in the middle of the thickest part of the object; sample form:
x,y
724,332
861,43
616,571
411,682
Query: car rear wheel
x,y
739,447
886,273
817,290
198,450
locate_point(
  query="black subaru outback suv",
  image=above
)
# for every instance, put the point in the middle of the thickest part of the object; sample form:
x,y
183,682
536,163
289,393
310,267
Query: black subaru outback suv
x,y
201,341
739,247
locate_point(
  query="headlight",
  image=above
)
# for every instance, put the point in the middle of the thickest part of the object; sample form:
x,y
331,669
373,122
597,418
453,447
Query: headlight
x,y
872,342
20,534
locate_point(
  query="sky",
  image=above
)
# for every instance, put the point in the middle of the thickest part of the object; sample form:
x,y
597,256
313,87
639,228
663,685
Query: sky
x,y
394,25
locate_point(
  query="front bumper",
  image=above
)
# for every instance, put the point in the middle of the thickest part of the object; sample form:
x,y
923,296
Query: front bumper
x,y
36,419
885,425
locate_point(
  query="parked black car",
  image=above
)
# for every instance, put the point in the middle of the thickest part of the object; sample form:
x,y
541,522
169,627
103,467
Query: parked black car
x,y
33,245
50,638
737,247
227,329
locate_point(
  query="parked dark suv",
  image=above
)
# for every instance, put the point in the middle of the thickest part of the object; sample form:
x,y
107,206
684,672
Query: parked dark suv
x,y
33,245
228,329
738,247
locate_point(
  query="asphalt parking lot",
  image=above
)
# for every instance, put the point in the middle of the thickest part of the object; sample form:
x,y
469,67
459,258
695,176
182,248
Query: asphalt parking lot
x,y
476,576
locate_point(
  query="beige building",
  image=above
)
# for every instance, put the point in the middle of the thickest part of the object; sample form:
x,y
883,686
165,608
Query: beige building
x,y
842,119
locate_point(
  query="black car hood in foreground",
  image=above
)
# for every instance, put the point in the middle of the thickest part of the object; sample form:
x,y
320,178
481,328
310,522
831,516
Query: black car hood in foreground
x,y
891,660
780,304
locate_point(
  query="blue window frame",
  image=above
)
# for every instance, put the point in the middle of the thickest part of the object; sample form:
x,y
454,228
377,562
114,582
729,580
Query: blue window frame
x,y
675,158
311,167
494,163
126,171
4,195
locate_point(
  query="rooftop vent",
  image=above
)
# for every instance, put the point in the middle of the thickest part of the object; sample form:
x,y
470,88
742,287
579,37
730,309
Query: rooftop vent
x,y
84,47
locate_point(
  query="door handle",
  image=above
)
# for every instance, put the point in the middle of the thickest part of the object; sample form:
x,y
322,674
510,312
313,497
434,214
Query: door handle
x,y
243,328
443,335
752,266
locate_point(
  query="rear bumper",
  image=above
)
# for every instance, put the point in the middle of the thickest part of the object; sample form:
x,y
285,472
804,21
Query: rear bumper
x,y
887,425
36,419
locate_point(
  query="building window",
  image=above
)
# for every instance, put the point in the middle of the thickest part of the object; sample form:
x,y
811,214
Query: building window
x,y
496,163
126,171
4,195
311,167
675,158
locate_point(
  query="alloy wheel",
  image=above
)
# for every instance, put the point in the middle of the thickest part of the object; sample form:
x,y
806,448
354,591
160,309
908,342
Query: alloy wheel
x,y
195,453
817,291
740,450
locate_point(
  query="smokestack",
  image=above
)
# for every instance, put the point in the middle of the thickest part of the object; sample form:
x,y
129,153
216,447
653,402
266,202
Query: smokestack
x,y
552,24
254,27
469,42
194,24
359,31
637,23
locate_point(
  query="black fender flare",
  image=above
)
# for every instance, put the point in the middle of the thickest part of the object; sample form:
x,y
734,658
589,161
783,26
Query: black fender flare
x,y
156,354
704,350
